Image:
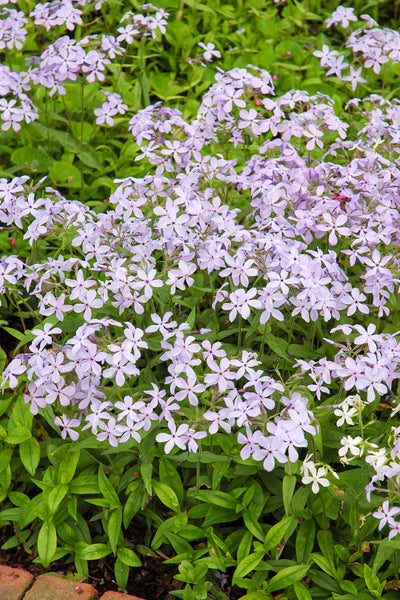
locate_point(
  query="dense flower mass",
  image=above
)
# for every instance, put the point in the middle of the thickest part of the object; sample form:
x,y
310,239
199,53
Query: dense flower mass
x,y
161,313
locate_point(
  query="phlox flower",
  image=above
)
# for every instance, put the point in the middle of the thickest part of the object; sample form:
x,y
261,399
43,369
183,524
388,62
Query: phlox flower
x,y
375,60
146,281
209,51
351,445
15,368
341,16
217,420
111,431
89,300
345,412
326,56
367,336
376,458
221,376
271,450
334,226
315,136
54,305
177,437
316,477
386,515
190,438
180,278
354,77
240,302
68,426
249,443
43,337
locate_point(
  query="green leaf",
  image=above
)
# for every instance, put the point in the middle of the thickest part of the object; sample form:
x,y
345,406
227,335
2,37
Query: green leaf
x,y
114,528
244,546
287,577
67,467
323,564
288,487
55,497
86,484
325,542
277,533
248,564
146,470
90,159
217,498
19,335
72,506
382,555
220,469
169,475
305,540
121,572
107,489
31,158
253,525
18,434
47,542
21,413
128,557
132,506
5,457
278,345
65,174
94,551
301,591
166,495
66,140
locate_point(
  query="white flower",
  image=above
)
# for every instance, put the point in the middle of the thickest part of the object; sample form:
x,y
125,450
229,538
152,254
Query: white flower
x,y
376,459
315,477
350,444
345,412
307,465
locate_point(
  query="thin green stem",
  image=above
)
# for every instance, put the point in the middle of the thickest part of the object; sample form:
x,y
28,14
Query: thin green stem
x,y
240,334
81,140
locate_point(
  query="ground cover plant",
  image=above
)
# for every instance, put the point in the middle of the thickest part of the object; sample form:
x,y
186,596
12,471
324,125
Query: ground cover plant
x,y
209,353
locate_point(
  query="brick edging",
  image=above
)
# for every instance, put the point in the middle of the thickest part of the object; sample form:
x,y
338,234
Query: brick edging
x,y
17,584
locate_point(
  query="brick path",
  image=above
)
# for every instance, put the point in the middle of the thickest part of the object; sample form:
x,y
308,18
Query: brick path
x,y
16,584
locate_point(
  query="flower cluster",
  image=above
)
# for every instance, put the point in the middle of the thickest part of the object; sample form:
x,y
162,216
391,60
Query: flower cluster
x,y
66,59
159,319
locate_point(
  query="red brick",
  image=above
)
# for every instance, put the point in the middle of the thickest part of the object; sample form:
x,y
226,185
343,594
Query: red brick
x,y
118,596
51,587
14,583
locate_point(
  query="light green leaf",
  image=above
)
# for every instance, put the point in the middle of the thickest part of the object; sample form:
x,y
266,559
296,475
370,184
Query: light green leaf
x,y
18,434
55,497
277,533
67,467
107,489
166,495
287,577
47,542
128,557
94,551
248,564
114,528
